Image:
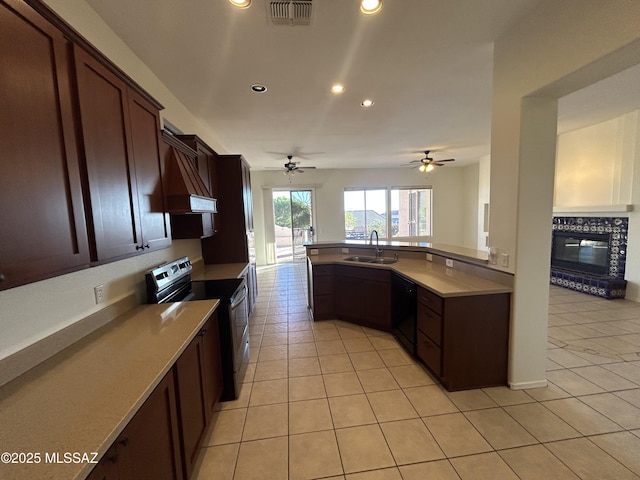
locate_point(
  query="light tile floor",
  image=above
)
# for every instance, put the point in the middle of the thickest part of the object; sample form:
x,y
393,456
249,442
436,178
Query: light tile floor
x,y
333,400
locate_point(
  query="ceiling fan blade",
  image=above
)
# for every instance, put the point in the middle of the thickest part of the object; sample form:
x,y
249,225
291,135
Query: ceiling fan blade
x,y
445,160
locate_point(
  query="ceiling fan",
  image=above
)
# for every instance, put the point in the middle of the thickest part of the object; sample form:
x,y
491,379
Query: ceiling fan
x,y
427,163
292,167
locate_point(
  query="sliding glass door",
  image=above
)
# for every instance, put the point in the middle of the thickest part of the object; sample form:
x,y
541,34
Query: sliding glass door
x,y
293,223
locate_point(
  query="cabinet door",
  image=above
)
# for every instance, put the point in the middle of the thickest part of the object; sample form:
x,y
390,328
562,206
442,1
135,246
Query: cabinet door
x,y
109,159
145,141
107,468
376,304
149,445
363,295
43,230
192,404
212,364
247,198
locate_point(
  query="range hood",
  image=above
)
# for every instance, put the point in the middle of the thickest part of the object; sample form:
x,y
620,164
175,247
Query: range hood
x,y
186,192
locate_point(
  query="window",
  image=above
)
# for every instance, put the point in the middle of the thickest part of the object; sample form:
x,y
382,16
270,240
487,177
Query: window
x,y
395,213
410,212
365,210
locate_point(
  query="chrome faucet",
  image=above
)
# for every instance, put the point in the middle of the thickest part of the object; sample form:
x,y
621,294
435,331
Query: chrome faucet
x,y
378,249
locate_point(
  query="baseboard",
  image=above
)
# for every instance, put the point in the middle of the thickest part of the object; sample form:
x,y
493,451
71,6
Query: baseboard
x,y
528,385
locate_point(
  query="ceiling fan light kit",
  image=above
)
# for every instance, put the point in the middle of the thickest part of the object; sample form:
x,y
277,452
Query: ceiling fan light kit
x,y
427,164
241,3
370,7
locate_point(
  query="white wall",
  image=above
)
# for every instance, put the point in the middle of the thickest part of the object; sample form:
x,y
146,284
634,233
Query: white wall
x,y
471,188
484,184
594,165
451,199
558,48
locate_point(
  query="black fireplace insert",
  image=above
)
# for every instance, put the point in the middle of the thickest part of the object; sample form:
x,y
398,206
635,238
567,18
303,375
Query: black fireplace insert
x,y
584,252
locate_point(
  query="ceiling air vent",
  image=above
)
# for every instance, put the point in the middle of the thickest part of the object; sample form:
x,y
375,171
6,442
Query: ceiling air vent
x,y
292,12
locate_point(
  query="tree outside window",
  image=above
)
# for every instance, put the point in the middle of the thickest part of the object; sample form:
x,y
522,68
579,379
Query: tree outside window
x,y
364,211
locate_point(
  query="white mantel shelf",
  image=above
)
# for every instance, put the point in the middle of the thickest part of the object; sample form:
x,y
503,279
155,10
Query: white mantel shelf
x,y
594,209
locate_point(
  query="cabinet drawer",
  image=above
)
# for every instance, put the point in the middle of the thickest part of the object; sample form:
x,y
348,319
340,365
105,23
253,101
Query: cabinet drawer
x,y
363,273
430,323
322,270
430,353
430,299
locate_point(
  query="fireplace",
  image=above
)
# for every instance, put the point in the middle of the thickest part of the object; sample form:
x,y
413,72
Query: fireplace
x,y
585,252
588,254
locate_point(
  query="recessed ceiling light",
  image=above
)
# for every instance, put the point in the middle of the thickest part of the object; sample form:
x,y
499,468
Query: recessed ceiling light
x,y
337,88
366,103
370,7
258,88
241,3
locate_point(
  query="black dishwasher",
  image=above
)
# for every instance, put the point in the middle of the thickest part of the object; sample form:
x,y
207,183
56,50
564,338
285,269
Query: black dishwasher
x,y
403,311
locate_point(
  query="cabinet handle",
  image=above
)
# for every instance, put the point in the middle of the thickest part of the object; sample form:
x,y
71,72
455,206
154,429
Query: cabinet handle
x,y
146,246
124,441
113,458
139,247
2,277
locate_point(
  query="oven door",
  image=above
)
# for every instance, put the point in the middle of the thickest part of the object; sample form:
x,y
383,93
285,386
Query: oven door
x,y
239,323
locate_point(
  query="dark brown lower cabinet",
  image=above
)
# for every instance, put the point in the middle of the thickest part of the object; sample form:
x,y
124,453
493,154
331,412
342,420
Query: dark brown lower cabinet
x,y
199,385
163,439
321,291
464,341
212,363
149,446
363,295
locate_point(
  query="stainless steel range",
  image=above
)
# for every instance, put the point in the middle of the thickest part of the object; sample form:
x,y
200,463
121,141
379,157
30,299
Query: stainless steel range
x,y
171,282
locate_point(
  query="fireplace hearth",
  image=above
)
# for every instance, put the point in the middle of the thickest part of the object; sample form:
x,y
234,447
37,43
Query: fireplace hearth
x,y
589,255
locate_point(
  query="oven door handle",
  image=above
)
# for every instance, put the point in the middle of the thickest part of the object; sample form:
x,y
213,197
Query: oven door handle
x,y
239,298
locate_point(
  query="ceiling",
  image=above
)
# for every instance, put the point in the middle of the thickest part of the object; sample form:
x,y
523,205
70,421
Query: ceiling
x,y
427,65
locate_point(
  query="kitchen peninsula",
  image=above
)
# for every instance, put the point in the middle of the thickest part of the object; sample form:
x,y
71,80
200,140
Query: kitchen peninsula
x,y
460,327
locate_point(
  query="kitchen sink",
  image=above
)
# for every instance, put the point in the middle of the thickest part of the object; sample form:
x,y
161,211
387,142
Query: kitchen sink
x,y
379,260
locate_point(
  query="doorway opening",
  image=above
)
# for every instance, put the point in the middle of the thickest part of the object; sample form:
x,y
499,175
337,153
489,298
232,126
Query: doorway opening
x,y
293,223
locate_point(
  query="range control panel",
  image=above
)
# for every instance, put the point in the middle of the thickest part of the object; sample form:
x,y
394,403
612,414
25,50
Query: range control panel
x,y
169,273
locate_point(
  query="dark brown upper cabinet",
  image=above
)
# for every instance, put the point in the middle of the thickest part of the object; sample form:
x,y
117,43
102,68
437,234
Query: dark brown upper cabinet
x,y
43,230
121,147
197,225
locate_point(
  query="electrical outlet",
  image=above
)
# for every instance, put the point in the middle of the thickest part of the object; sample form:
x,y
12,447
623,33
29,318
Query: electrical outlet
x,y
504,259
449,262
314,251
429,257
345,250
99,293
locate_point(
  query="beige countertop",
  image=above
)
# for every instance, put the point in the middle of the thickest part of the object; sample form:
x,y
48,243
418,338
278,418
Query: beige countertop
x,y
81,399
218,271
446,282
480,257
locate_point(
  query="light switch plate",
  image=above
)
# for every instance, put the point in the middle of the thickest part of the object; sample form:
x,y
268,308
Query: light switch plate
x,y
345,250
504,259
314,251
429,257
449,262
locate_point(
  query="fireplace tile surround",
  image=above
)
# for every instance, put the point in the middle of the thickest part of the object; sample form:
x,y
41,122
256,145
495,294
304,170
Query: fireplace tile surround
x,y
610,285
